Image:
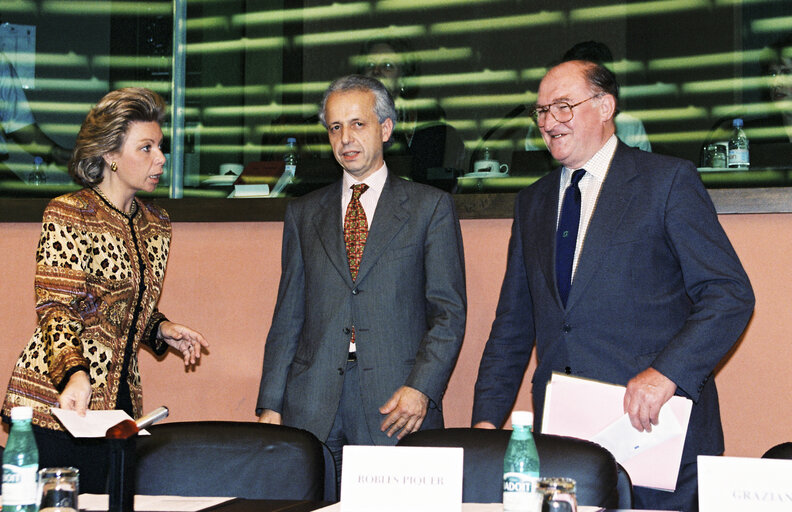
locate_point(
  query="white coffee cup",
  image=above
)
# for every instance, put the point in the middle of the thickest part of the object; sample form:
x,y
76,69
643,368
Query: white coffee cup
x,y
491,166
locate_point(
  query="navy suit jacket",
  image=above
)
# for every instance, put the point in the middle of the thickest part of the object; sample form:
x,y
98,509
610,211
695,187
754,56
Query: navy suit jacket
x,y
657,285
408,306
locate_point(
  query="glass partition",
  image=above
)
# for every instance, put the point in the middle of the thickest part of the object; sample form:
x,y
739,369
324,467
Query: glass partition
x,y
464,74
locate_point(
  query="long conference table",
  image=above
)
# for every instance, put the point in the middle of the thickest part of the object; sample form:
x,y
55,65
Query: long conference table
x,y
99,503
243,505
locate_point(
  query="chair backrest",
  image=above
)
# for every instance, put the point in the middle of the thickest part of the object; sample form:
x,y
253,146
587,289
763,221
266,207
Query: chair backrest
x,y
591,466
779,451
224,458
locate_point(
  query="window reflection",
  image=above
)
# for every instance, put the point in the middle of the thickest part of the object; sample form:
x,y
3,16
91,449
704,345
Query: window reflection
x,y
463,74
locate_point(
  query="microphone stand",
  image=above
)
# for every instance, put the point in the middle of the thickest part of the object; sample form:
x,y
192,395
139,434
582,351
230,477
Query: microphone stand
x,y
121,475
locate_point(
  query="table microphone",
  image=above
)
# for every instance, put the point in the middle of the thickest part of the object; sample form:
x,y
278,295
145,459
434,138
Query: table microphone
x,y
128,428
121,475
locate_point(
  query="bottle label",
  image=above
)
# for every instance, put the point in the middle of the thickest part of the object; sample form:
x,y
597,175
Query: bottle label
x,y
738,158
19,484
520,493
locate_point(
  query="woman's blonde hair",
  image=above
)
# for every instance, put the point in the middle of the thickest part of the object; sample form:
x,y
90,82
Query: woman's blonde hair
x,y
106,126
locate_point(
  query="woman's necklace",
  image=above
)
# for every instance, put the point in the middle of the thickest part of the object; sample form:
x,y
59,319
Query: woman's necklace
x,y
132,209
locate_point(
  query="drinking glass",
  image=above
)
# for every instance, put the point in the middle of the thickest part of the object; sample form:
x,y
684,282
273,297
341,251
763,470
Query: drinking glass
x,y
558,494
58,489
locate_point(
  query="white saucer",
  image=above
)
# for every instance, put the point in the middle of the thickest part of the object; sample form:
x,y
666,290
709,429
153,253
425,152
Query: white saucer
x,y
220,180
486,174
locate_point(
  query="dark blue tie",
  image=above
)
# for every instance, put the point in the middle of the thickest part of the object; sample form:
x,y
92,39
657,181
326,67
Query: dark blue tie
x,y
566,236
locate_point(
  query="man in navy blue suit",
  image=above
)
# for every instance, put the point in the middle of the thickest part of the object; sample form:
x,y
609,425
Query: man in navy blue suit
x,y
653,296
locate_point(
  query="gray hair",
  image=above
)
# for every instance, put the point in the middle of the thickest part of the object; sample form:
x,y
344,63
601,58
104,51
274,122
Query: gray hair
x,y
383,101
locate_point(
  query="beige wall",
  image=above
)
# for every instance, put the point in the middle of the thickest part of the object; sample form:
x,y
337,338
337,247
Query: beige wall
x,y
222,280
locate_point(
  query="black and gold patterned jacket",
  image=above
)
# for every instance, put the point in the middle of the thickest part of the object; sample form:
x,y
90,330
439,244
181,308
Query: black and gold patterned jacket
x,y
99,277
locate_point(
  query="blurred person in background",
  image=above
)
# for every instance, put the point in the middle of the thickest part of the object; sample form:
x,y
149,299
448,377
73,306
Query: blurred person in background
x,y
436,149
100,265
768,125
18,125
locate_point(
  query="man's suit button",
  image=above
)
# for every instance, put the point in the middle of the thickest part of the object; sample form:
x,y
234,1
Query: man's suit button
x,y
568,370
340,371
347,331
355,291
566,328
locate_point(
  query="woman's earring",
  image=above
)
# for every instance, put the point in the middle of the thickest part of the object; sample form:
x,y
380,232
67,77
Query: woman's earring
x,y
113,167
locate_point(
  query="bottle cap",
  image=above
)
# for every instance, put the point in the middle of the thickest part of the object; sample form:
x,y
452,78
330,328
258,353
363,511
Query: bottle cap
x,y
737,122
522,418
21,413
291,140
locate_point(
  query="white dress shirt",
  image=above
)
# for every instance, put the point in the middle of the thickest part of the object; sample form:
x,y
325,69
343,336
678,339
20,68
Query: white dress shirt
x,y
370,198
590,185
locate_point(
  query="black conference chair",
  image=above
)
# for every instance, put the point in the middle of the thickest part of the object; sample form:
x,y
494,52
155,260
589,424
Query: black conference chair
x,y
241,459
779,451
593,468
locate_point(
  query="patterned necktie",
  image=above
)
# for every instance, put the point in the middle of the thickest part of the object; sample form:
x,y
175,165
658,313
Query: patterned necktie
x,y
566,236
355,229
355,232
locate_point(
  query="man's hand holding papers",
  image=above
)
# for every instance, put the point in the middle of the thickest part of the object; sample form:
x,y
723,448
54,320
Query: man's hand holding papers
x,y
593,410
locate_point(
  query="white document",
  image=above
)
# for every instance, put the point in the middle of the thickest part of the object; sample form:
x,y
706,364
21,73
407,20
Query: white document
x,y
93,424
624,442
739,484
594,410
399,478
260,190
143,503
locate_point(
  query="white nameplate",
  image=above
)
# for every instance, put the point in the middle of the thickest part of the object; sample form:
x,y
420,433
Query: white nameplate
x,y
399,478
739,484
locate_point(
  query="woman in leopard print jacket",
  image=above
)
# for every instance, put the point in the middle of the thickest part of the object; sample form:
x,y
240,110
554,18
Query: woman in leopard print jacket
x,y
99,270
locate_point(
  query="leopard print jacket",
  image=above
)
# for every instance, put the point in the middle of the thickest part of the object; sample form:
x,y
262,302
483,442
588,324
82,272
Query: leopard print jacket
x,y
98,279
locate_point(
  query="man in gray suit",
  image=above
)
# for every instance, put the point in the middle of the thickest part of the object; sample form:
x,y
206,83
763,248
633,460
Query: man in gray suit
x,y
618,270
361,347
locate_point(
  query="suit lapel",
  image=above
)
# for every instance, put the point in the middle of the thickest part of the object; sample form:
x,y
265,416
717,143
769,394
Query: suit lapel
x,y
329,230
389,218
545,226
615,196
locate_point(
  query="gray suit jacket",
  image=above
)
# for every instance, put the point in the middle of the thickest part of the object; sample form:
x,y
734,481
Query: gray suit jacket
x,y
408,306
657,284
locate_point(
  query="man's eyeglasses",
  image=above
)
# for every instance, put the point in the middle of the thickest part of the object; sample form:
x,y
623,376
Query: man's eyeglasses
x,y
561,110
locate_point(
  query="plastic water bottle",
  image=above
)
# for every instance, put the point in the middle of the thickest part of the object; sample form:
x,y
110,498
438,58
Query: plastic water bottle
x,y
37,177
290,157
521,468
20,464
289,167
739,157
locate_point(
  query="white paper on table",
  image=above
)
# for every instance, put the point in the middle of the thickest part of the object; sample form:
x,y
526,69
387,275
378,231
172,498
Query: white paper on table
x,y
100,502
93,424
624,442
